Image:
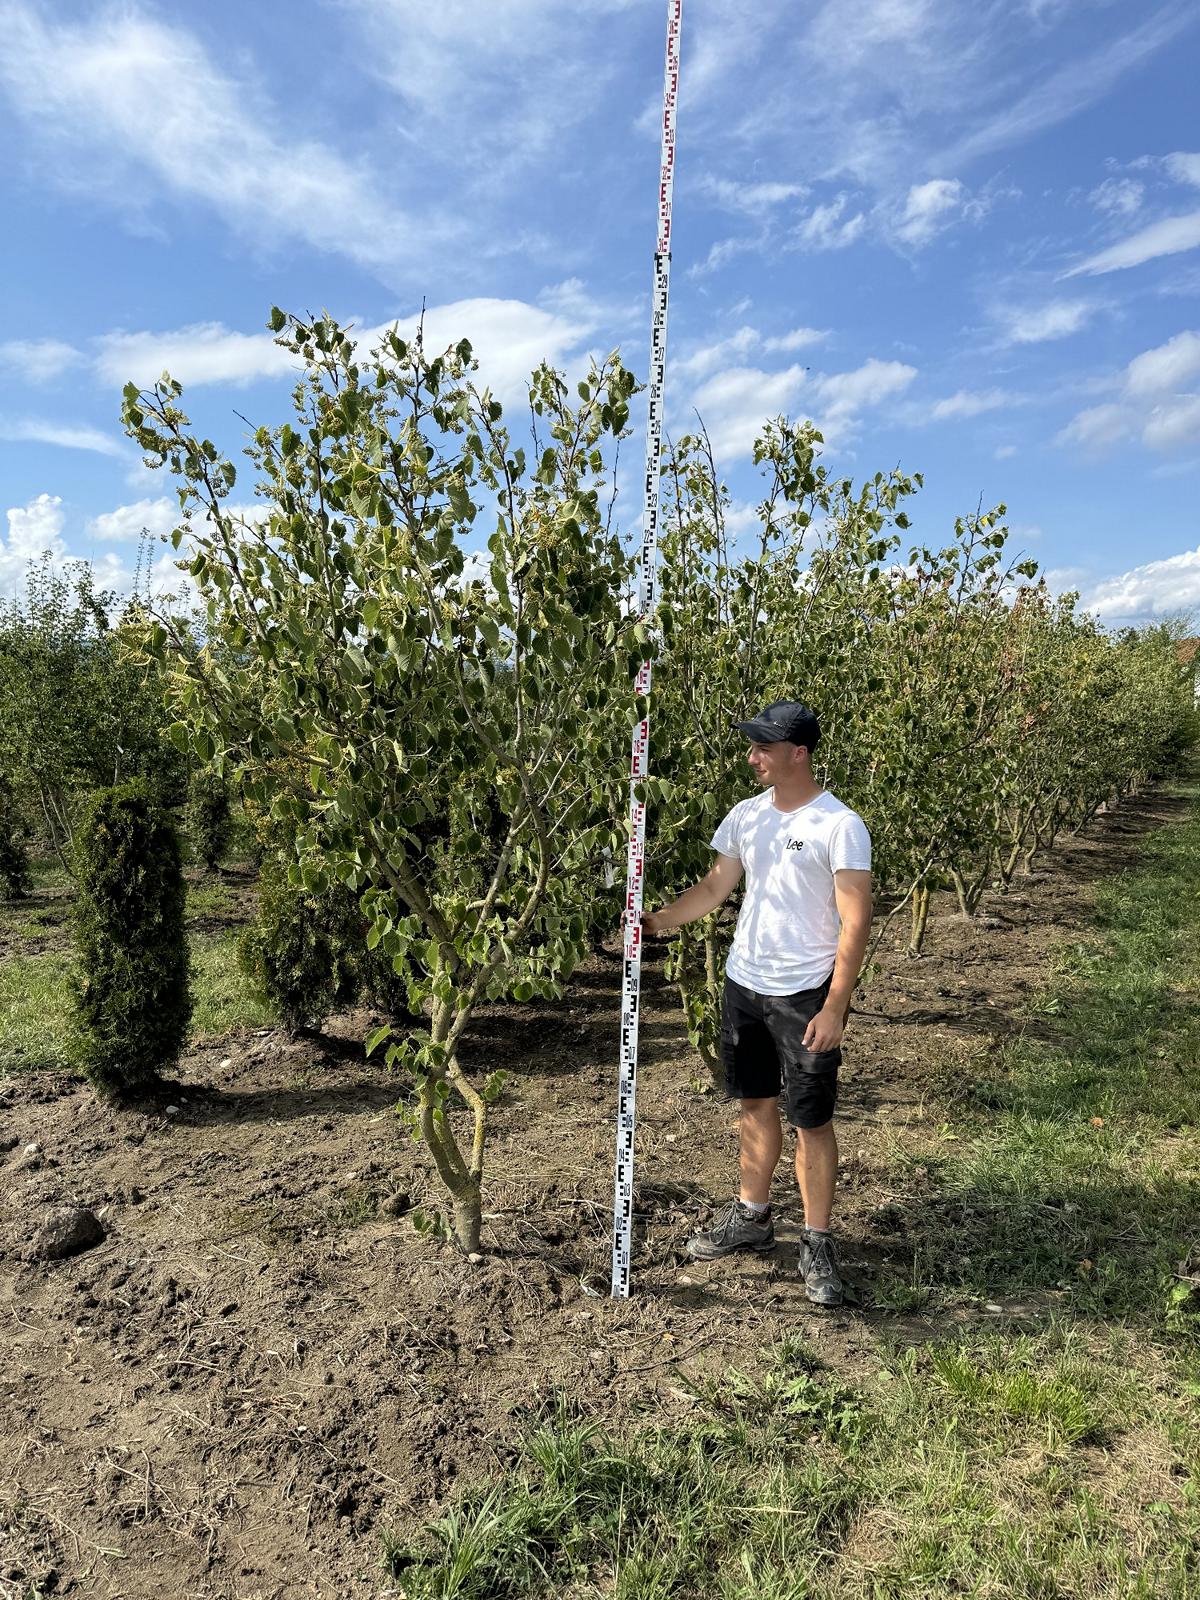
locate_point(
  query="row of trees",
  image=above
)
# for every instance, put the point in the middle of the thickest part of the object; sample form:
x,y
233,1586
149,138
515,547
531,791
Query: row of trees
x,y
969,714
446,737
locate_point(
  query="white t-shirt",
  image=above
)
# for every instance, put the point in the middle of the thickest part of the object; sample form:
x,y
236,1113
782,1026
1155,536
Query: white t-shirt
x,y
787,931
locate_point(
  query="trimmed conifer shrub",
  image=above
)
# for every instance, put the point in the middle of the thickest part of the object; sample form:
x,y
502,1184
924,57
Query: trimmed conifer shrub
x,y
304,951
132,1000
209,817
16,882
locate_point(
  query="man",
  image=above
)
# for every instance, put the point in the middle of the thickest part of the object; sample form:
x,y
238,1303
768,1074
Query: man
x,y
795,959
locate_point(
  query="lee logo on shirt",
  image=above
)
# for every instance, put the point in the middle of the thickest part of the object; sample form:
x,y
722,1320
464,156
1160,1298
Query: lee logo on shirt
x,y
795,844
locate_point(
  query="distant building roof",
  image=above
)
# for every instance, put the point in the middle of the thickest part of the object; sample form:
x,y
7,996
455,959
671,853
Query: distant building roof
x,y
1186,650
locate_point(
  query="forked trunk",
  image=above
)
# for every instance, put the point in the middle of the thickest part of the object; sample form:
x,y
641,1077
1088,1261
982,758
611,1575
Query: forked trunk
x,y
920,919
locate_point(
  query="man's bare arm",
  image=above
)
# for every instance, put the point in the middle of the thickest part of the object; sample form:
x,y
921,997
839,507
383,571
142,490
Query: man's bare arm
x,y
717,884
852,891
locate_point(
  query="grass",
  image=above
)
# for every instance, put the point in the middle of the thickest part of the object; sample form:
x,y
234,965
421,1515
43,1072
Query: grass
x,y
35,987
222,997
1076,1166
995,1465
964,1470
35,1027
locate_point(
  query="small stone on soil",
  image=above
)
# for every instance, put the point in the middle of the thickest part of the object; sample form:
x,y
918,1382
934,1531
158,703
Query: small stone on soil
x,y
65,1231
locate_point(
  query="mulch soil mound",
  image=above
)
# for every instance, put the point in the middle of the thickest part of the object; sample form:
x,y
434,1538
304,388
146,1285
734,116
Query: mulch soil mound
x,y
264,1364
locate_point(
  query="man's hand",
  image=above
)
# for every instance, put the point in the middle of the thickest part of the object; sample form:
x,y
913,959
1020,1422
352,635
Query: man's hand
x,y
824,1032
650,920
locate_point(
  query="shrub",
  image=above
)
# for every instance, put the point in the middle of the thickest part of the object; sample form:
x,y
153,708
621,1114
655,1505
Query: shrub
x,y
209,817
132,1002
304,953
15,879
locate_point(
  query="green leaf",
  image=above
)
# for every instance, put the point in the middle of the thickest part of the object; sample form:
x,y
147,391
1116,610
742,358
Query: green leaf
x,y
375,1039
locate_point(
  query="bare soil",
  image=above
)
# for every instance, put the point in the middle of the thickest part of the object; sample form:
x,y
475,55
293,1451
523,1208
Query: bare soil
x,y
264,1365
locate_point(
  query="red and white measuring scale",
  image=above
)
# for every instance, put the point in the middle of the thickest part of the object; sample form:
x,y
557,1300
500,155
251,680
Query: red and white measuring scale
x,y
639,761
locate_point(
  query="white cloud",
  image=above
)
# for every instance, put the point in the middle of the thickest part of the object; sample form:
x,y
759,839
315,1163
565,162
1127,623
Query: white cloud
x,y
824,228
496,87
1169,237
1066,90
842,395
1184,165
735,403
853,30
741,518
1118,197
1096,427
1005,452
510,338
39,360
1167,367
126,106
205,352
1057,319
928,208
37,431
1147,593
32,528
752,198
1154,404
706,358
156,517
970,403
1173,424
797,339
719,252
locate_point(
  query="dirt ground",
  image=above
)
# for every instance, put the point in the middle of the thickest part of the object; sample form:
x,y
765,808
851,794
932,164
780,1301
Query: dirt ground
x,y
264,1365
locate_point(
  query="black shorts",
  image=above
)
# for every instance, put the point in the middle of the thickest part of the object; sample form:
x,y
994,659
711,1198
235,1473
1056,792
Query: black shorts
x,y
763,1052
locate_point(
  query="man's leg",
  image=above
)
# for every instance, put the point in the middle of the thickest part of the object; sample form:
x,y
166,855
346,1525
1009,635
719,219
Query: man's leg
x,y
752,1078
816,1173
760,1144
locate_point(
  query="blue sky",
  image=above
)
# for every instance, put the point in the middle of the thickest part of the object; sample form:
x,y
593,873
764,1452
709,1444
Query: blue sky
x,y
964,239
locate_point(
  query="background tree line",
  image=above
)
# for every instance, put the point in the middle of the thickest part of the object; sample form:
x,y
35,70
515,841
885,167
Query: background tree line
x,y
430,749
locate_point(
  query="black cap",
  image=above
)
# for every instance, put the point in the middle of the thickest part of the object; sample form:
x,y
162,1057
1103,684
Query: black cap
x,y
784,719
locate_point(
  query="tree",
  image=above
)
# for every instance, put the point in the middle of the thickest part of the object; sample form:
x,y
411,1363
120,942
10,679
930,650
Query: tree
x,y
77,713
15,878
209,816
132,1005
434,729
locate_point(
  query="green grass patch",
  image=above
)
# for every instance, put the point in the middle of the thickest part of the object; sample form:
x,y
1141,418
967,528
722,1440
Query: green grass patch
x,y
1076,1165
35,1003
35,1012
222,996
958,1470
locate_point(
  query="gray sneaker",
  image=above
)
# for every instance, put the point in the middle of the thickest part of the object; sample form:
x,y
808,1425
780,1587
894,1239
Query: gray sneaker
x,y
819,1269
734,1228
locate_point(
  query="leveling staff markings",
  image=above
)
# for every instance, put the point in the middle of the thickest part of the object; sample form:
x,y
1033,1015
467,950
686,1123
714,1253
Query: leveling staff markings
x,y
639,758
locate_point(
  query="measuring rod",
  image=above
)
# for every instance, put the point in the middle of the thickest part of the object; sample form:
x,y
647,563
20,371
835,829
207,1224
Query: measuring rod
x,y
639,759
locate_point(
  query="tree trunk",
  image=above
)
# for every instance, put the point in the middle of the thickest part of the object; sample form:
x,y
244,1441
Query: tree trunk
x,y
468,1219
920,919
